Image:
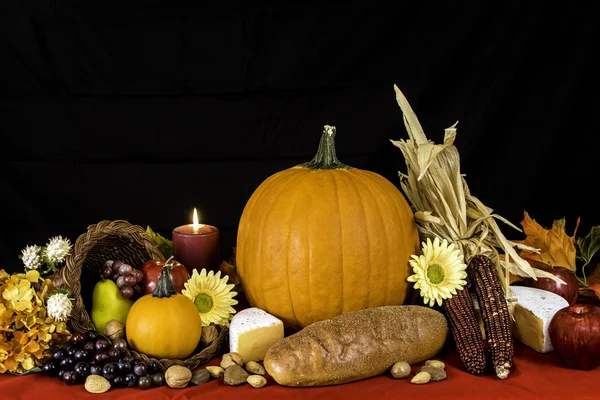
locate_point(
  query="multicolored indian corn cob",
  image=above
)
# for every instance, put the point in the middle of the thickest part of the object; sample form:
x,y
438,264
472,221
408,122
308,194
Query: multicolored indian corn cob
x,y
494,311
465,331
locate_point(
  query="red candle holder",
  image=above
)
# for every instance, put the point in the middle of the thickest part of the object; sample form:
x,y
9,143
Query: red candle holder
x,y
197,248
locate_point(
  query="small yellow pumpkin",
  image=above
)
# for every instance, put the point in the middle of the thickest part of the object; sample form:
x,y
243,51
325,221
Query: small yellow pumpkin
x,y
164,324
323,238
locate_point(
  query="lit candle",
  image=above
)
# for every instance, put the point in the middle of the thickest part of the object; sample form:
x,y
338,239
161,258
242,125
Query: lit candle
x,y
196,245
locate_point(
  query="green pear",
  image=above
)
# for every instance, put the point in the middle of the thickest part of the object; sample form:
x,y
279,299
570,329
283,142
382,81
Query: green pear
x,y
108,303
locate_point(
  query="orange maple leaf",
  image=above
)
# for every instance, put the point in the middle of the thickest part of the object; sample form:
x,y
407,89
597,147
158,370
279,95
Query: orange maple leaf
x,y
596,288
557,249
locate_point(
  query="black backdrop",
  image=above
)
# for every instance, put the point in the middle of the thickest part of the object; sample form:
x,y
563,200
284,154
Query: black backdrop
x,y
144,112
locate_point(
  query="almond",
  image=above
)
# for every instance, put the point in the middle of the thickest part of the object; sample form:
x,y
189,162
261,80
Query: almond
x,y
256,381
435,363
96,384
421,378
255,368
215,371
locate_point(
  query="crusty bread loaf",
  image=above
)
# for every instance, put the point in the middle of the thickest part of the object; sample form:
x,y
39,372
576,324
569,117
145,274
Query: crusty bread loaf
x,y
356,345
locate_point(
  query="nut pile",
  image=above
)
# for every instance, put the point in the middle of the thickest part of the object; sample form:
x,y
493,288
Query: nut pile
x,y
234,374
431,371
232,369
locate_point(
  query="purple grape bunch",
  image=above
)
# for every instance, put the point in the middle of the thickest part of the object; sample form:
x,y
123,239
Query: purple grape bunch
x,y
127,278
90,354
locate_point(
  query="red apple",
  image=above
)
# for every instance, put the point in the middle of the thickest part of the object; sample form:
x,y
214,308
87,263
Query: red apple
x,y
575,335
569,292
153,268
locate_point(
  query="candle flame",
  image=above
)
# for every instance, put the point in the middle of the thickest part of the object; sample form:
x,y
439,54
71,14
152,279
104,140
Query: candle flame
x,y
195,219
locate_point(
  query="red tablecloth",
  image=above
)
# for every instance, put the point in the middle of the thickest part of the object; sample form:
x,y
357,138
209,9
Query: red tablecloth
x,y
535,376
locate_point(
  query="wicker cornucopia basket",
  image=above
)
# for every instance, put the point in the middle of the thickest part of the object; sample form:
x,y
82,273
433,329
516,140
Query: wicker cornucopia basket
x,y
118,240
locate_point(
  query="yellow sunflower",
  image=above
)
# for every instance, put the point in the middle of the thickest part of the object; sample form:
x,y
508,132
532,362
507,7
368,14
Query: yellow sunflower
x,y
212,296
439,272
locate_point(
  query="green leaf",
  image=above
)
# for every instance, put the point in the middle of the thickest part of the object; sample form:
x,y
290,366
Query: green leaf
x,y
34,370
63,291
589,245
164,245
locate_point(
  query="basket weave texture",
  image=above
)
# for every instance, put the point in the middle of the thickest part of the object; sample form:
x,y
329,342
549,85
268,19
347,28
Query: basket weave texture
x,y
118,240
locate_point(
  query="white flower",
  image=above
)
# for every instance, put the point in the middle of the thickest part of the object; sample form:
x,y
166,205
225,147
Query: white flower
x,y
32,257
58,249
59,306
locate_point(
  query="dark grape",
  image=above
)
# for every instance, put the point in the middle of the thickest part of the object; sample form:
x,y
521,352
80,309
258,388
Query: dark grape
x,y
128,358
61,374
109,371
118,382
81,355
90,346
72,377
49,368
144,382
120,344
127,292
129,280
125,269
124,366
67,363
102,345
158,379
115,277
138,290
95,370
78,339
66,375
106,272
93,336
154,366
58,354
131,380
139,275
116,265
82,368
69,349
71,352
140,369
77,378
114,354
101,357
108,263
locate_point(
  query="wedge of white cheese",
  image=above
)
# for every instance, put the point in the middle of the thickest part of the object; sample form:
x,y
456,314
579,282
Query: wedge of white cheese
x,y
252,332
532,314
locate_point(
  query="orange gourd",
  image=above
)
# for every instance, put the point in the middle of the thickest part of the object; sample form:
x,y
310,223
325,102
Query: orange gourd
x,y
164,324
323,238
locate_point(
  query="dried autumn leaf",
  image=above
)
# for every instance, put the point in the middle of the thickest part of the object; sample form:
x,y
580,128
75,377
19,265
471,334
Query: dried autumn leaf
x,y
596,288
556,247
230,271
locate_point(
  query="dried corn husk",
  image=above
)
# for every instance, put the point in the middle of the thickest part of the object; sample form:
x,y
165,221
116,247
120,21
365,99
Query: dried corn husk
x,y
444,206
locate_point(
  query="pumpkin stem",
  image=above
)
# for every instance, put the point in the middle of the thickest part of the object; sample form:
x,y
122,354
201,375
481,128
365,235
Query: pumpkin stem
x,y
326,157
164,286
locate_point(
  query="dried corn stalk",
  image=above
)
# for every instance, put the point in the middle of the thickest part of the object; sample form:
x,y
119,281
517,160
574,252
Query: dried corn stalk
x,y
444,206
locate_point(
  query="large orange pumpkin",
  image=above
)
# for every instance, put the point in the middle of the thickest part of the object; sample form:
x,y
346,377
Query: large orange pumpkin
x,y
323,238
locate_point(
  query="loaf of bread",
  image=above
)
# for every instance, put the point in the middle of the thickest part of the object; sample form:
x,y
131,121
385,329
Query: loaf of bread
x,y
356,345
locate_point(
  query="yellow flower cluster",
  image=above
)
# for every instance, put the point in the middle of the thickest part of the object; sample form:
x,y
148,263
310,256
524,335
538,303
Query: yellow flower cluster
x,y
26,332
